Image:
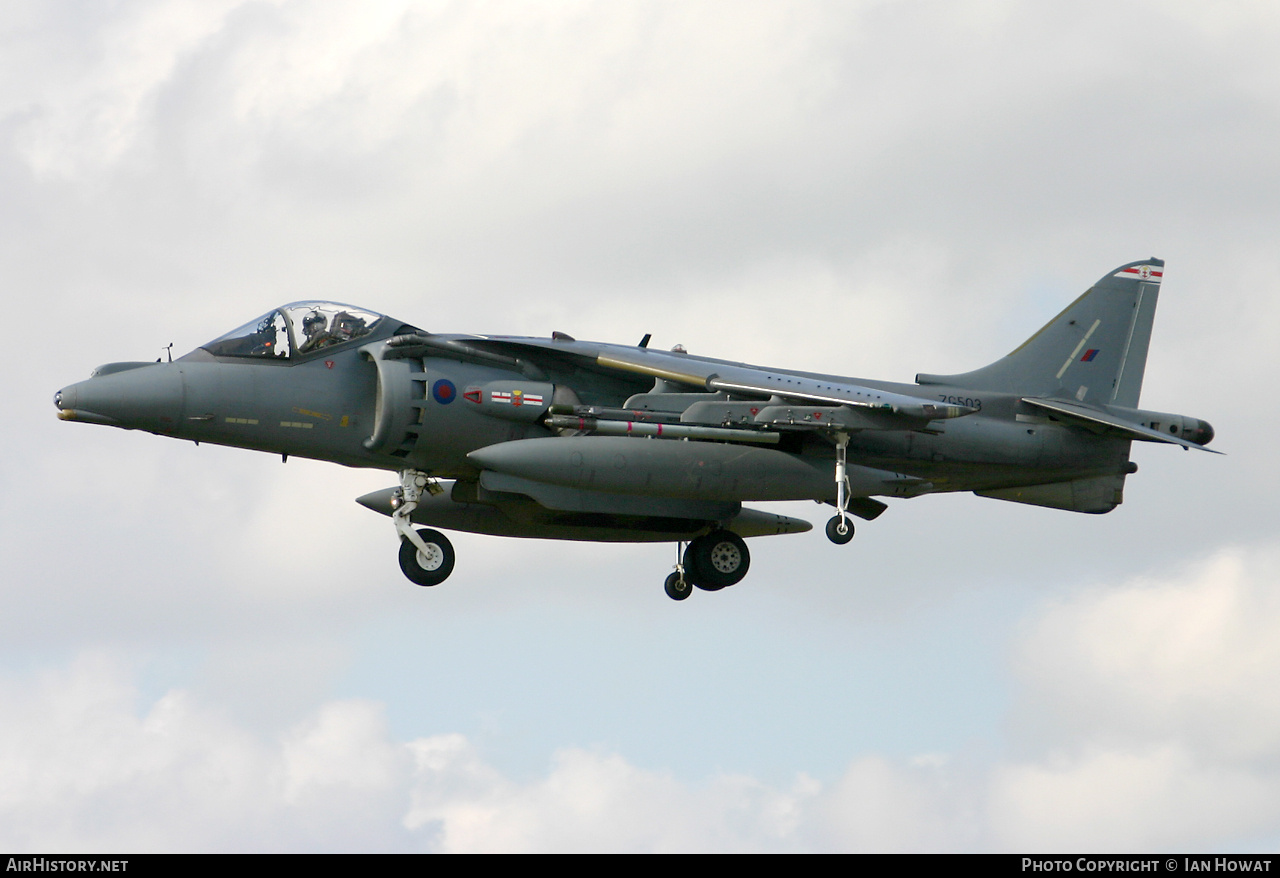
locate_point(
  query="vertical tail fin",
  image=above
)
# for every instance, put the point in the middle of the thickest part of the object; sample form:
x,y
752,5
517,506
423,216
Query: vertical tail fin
x,y
1095,351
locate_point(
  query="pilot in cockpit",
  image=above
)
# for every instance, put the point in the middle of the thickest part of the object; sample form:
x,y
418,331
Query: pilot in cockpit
x,y
347,325
313,329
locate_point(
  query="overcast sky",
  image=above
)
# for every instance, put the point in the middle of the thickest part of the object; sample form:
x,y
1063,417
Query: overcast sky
x,y
202,649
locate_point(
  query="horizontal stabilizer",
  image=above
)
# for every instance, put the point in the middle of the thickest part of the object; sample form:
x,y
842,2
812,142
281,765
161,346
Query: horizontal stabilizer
x,y
1099,418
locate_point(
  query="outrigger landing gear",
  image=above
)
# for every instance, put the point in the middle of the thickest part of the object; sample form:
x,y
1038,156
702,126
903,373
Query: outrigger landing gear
x,y
840,528
426,556
711,562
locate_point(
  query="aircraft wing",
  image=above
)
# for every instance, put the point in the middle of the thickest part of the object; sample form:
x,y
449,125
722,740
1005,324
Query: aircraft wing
x,y
735,378
1099,418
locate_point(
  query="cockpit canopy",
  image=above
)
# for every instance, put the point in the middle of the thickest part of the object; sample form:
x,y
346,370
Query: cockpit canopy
x,y
296,330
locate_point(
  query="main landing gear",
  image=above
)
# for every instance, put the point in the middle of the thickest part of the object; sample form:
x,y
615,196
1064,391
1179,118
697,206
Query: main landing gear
x,y
711,562
840,528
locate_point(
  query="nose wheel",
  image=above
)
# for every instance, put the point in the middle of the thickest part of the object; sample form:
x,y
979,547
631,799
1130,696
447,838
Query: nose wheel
x,y
426,556
430,565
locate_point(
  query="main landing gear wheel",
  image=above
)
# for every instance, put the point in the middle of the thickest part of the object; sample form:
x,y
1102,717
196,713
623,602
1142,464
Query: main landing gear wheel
x,y
839,530
431,567
678,588
717,560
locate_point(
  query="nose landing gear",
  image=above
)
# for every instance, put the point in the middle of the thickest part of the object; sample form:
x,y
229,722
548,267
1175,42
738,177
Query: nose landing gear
x,y
426,556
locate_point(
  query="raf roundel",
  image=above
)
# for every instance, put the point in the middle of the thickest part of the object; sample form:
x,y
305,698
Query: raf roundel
x,y
443,391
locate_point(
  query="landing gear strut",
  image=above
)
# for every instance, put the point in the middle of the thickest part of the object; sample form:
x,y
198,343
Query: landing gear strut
x,y
426,556
711,562
840,528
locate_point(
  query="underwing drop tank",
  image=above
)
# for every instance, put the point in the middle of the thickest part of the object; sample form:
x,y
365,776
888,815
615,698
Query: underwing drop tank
x,y
687,470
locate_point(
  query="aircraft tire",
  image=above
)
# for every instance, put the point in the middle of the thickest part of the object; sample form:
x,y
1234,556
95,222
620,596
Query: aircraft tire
x,y
677,589
433,568
833,531
691,568
717,560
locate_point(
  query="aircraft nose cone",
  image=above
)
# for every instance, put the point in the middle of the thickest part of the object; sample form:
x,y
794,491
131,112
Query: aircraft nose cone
x,y
147,398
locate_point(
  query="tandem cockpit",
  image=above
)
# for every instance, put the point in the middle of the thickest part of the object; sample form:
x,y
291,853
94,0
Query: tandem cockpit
x,y
295,331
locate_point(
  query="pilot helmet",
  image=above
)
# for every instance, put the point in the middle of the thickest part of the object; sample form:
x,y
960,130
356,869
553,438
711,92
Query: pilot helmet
x,y
346,323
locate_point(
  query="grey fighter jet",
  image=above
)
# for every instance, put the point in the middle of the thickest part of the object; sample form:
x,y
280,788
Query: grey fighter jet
x,y
556,438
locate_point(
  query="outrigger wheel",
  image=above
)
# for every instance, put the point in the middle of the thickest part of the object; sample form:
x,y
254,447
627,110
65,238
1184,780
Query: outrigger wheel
x,y
840,529
430,567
